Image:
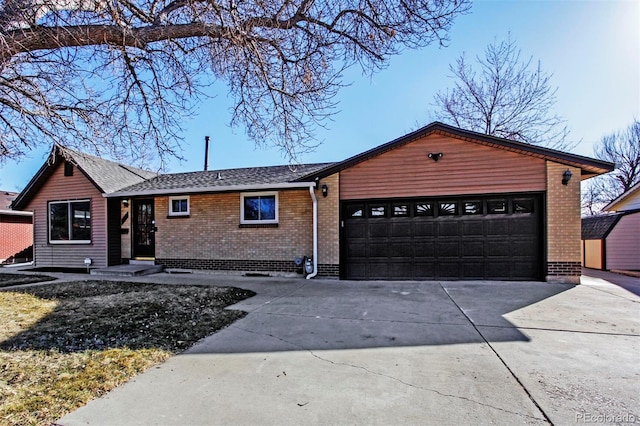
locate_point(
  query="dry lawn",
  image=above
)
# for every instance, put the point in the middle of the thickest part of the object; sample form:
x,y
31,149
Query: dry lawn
x,y
63,344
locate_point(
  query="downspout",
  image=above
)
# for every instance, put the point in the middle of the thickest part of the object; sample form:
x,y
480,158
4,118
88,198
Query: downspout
x,y
315,232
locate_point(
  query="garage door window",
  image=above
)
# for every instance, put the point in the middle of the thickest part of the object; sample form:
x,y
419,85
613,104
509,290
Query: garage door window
x,y
496,206
400,210
447,208
423,209
355,210
378,211
473,207
523,205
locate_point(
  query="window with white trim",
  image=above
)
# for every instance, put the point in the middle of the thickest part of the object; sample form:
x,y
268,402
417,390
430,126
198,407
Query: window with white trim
x,y
179,206
70,222
259,207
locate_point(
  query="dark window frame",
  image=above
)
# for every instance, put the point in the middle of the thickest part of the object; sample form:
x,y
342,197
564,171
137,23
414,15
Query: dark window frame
x,y
74,224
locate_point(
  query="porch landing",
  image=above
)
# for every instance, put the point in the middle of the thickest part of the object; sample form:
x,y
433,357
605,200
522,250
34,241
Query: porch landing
x,y
130,270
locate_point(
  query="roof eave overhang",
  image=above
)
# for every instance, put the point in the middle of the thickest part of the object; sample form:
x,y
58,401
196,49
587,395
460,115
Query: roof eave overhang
x,y
210,189
15,213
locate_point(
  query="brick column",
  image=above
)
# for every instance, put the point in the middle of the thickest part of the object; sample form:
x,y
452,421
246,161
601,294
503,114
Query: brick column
x,y
329,227
563,225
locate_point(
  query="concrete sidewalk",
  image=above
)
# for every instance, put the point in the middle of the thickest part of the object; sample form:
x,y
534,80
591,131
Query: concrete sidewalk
x,y
339,352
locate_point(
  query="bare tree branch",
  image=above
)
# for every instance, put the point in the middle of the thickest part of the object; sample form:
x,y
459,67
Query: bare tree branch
x,y
117,77
623,149
505,96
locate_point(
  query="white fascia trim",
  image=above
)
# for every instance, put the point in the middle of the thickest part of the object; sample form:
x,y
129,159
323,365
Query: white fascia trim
x,y
16,213
230,188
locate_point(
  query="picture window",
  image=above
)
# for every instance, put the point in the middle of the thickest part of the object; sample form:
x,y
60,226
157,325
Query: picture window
x,y
70,222
259,208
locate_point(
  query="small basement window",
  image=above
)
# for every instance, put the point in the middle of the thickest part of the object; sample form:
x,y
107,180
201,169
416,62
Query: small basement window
x,y
258,208
179,206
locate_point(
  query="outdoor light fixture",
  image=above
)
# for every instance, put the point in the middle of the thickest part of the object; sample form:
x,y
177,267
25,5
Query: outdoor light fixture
x,y
325,190
435,156
566,176
125,202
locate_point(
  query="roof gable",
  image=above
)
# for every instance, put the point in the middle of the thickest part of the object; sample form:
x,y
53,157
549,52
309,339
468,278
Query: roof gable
x,y
106,175
629,200
589,166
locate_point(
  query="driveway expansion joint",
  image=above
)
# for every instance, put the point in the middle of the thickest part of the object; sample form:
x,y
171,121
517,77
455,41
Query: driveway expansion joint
x,y
522,386
396,379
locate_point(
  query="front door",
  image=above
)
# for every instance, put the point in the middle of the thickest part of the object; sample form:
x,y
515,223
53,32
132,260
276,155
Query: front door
x,y
144,228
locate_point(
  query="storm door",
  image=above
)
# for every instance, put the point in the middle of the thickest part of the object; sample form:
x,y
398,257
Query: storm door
x,y
144,228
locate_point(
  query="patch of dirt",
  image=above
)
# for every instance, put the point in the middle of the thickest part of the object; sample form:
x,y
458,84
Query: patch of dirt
x,y
96,315
7,280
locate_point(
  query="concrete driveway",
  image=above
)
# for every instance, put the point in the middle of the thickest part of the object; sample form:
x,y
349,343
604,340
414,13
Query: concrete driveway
x,y
391,353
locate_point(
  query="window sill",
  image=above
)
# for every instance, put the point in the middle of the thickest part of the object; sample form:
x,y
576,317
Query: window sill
x,y
179,216
258,225
69,243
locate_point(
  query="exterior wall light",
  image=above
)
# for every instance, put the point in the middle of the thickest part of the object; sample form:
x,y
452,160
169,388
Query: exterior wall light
x,y
566,176
435,156
325,190
125,202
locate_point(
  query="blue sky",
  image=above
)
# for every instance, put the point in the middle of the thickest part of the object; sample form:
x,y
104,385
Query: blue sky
x,y
592,48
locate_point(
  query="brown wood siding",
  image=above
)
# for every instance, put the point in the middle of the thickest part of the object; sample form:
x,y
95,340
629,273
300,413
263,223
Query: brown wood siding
x,y
465,168
62,188
623,244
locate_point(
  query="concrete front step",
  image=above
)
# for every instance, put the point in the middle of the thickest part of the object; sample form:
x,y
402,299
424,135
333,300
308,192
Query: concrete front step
x,y
131,270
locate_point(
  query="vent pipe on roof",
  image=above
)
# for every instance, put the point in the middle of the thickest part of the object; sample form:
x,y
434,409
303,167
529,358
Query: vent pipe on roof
x,y
206,153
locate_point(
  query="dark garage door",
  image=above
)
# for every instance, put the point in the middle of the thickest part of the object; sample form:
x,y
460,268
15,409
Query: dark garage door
x,y
497,237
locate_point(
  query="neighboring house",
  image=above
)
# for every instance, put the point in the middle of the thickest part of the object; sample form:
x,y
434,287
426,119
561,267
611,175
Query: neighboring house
x,y
16,231
612,241
437,203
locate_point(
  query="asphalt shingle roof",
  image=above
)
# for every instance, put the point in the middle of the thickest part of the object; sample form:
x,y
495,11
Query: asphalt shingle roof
x,y
225,178
108,175
598,227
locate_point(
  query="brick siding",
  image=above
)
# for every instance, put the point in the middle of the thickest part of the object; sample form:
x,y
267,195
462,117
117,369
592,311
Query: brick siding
x,y
212,233
329,221
243,265
16,234
563,225
562,269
